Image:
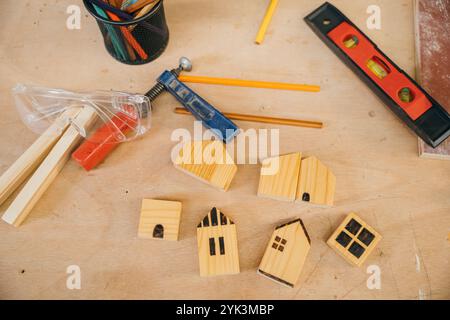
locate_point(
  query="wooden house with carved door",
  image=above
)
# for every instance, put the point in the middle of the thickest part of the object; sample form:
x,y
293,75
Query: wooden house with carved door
x,y
160,219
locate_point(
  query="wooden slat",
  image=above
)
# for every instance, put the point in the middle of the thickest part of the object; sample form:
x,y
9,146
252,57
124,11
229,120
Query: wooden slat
x,y
432,25
48,170
16,174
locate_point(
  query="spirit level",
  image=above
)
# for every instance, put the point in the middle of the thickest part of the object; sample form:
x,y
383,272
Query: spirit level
x,y
392,85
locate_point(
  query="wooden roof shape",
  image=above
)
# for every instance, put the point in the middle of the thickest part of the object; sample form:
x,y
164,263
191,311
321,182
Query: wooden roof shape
x,y
286,253
208,161
217,245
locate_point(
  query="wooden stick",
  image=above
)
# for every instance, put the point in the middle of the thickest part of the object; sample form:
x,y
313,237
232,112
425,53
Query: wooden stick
x,y
33,156
266,21
48,170
249,83
272,120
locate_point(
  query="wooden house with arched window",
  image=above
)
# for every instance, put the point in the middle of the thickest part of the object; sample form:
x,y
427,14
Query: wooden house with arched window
x,y
160,219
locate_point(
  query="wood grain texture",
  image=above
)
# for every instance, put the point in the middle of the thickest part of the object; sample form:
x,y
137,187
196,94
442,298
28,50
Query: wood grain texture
x,y
159,220
286,253
217,245
279,177
354,238
90,219
23,167
207,161
432,23
316,184
48,169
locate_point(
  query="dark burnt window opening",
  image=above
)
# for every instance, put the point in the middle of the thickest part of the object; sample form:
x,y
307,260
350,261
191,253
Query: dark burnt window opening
x,y
279,244
212,247
221,245
158,231
306,197
353,227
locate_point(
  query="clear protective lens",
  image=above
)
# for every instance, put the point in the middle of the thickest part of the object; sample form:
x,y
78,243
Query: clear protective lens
x,y
121,116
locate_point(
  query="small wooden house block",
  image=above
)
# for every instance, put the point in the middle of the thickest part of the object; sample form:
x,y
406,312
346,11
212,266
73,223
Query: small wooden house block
x,y
279,177
207,161
217,245
354,239
160,219
316,184
286,253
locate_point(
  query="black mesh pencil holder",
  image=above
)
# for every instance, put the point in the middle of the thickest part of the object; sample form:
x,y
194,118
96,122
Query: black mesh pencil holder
x,y
135,41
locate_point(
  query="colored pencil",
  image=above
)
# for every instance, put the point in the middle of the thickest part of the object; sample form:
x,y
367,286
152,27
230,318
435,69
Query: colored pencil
x,y
138,5
129,37
261,119
266,21
115,39
249,83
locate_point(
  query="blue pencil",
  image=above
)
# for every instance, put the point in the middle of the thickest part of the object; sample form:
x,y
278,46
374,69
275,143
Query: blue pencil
x,y
127,3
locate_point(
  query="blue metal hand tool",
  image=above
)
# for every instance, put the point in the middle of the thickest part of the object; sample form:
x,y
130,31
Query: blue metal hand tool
x,y
203,111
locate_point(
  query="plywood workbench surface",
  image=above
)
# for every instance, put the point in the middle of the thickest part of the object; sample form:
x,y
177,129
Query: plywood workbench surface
x,y
91,219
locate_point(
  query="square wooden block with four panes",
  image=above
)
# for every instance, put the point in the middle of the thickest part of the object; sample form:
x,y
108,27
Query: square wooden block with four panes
x,y
354,239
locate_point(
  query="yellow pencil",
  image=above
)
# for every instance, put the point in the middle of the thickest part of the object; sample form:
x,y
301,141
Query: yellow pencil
x,y
146,9
249,83
266,21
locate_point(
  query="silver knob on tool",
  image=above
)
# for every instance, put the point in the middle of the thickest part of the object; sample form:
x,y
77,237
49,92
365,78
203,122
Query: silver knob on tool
x,y
185,64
